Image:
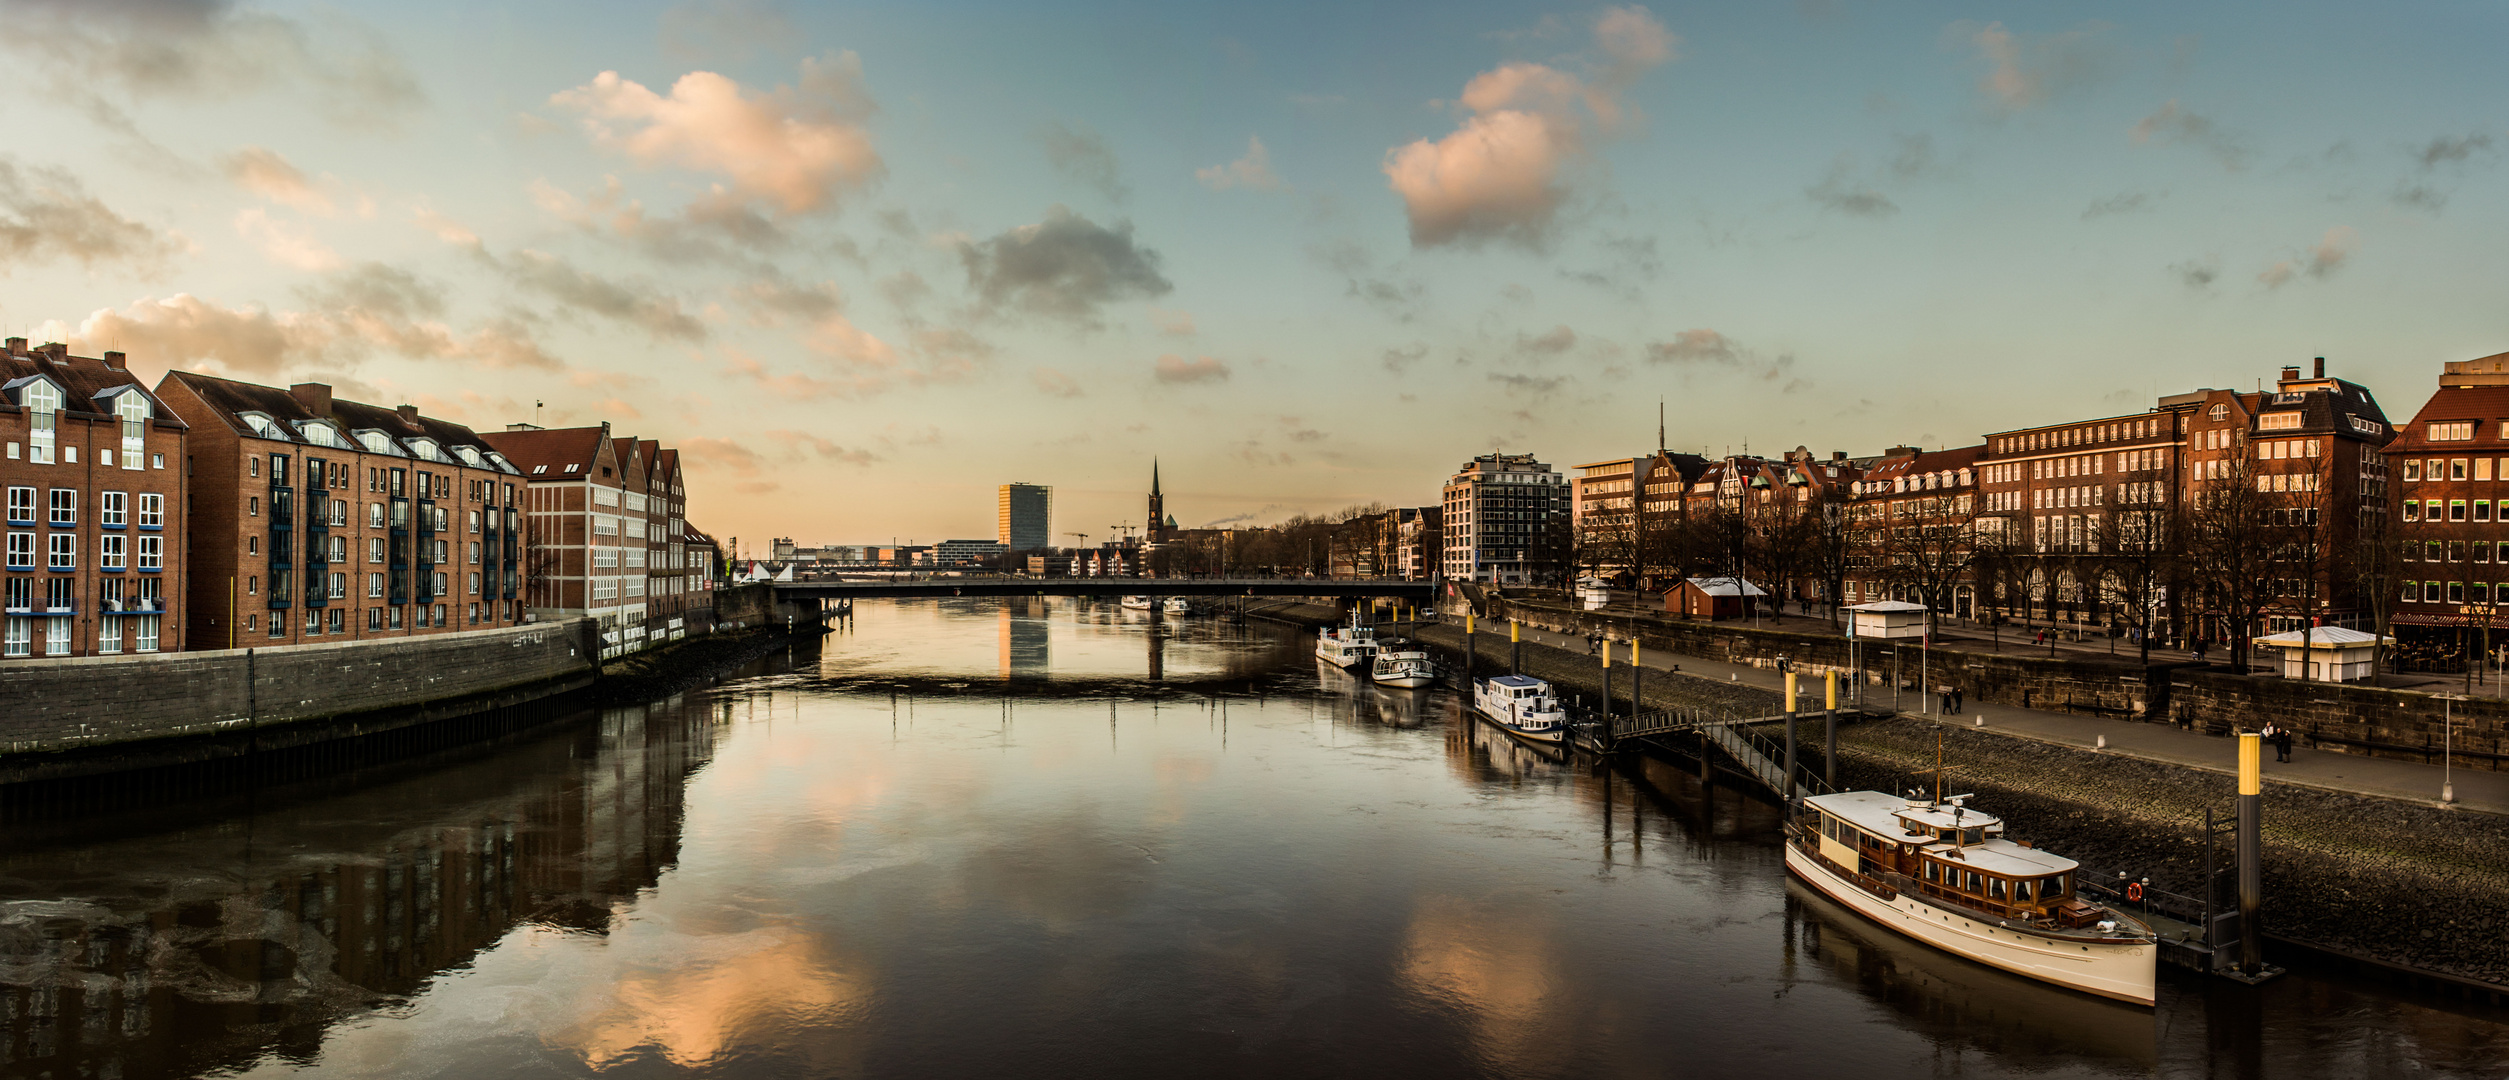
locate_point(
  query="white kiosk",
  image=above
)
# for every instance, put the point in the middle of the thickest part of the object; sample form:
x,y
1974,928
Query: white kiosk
x,y
2327,653
1889,620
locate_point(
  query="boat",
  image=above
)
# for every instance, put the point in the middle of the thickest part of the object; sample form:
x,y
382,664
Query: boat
x,y
1178,605
1523,706
1942,874
1139,603
1405,664
1346,646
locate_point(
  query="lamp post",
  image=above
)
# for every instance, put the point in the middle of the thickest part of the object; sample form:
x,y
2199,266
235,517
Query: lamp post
x,y
2447,748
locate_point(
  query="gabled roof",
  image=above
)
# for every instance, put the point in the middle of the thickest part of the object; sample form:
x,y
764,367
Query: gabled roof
x,y
230,401
544,454
2486,406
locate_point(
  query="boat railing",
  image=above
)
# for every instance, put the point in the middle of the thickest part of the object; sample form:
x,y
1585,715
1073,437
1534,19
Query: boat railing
x,y
2111,890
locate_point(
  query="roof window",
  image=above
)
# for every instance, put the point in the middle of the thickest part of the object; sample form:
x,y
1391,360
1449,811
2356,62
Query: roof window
x,y
538,469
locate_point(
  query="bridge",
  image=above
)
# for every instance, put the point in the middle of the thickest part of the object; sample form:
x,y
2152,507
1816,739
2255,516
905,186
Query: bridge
x,y
1415,592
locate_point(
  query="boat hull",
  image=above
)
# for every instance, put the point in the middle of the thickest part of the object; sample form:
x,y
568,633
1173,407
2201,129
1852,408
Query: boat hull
x,y
1546,738
1407,682
2125,971
1344,658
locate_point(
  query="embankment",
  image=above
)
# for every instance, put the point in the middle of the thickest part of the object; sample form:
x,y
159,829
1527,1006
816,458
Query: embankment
x,y
690,663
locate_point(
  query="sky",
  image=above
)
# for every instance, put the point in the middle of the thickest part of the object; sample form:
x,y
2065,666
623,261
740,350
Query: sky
x,y
863,263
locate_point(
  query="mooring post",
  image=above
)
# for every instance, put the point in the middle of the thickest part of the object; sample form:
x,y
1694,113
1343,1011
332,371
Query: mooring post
x,y
1607,685
1515,647
1829,722
1786,790
1467,686
2251,868
1637,680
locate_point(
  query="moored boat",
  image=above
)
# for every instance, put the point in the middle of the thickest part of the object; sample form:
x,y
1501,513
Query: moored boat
x,y
1178,605
1346,646
1945,875
1140,603
1523,706
1405,664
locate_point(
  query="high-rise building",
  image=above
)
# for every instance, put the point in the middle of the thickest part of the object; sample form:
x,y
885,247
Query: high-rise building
x,y
1505,517
1024,517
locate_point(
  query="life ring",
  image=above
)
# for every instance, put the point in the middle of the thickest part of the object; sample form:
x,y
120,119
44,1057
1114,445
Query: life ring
x,y
2134,891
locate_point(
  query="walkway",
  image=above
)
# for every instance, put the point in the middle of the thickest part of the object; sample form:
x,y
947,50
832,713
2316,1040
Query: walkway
x,y
2481,790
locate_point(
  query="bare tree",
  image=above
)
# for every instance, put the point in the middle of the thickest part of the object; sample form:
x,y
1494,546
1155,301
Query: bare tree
x,y
2231,546
2141,554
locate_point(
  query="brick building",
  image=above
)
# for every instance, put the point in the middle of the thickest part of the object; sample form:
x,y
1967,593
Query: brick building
x,y
96,496
315,518
2450,471
581,538
1911,516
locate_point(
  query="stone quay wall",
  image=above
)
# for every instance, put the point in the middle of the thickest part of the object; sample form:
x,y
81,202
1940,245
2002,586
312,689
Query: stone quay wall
x,y
74,704
2404,724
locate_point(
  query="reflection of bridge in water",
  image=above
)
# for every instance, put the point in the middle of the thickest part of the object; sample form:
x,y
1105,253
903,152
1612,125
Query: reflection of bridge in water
x,y
1419,592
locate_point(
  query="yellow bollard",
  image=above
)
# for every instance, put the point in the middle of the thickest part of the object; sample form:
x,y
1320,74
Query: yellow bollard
x,y
1513,631
1790,691
1832,679
1633,652
1467,623
2251,763
1607,654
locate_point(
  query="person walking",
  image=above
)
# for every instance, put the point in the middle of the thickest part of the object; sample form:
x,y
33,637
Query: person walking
x,y
1959,700
2282,743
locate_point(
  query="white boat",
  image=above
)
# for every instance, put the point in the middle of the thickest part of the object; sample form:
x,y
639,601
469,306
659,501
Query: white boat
x,y
1523,705
1139,603
1405,664
1346,646
1177,605
1944,875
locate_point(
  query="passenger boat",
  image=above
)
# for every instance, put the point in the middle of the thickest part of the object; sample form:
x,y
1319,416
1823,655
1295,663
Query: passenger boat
x,y
1139,603
1346,646
1523,706
1177,605
1938,872
1404,663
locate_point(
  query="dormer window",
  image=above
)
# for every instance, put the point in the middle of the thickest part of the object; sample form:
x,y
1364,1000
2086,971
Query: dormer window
x,y
469,456
2450,430
133,410
43,401
539,469
375,442
262,426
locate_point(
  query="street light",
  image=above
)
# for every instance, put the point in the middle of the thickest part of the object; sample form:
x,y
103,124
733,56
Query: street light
x,y
2447,747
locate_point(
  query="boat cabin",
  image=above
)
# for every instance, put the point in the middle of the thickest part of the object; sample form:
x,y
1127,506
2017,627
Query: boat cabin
x,y
1517,686
1945,852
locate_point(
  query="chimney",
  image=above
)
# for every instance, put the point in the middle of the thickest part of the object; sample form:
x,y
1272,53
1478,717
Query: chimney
x,y
409,415
59,352
1838,455
117,361
17,346
2291,374
2321,367
314,396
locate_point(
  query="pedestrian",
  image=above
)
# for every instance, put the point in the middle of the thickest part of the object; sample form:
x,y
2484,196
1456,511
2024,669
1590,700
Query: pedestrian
x,y
1946,706
1959,699
2282,743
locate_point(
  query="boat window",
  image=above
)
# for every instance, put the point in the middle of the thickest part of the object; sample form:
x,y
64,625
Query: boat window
x,y
1929,871
2021,890
1995,888
1973,836
1969,881
2055,886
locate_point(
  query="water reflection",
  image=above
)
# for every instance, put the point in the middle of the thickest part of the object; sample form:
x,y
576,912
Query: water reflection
x,y
883,861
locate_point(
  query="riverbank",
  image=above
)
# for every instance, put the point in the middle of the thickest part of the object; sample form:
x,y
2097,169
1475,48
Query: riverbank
x,y
2413,885
685,665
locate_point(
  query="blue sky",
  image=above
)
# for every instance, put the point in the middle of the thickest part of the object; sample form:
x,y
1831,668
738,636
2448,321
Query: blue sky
x,y
868,261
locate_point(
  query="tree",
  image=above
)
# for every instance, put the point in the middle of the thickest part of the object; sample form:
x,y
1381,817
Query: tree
x,y
2141,552
2374,565
2230,545
1928,547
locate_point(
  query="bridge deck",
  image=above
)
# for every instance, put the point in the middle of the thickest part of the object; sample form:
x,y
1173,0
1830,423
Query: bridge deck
x,y
1416,591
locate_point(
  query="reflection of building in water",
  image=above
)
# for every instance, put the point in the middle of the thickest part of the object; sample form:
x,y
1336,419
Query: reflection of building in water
x,y
1021,635
198,949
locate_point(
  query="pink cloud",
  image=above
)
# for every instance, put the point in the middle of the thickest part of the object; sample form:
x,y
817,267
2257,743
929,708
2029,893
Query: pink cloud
x,y
1172,368
796,147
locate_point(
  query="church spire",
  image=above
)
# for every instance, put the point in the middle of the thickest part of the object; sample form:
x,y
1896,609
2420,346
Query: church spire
x,y
1154,476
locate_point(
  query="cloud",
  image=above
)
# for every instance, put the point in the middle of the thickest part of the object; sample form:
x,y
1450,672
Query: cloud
x,y
369,310
195,50
1550,343
265,173
1695,347
1172,368
1840,190
712,229
2171,124
2322,259
1540,386
2198,274
1055,384
1085,156
1397,359
287,245
2027,69
798,444
2446,149
703,30
2122,203
46,215
1064,267
444,228
796,148
581,290
1500,176
2418,189
1253,171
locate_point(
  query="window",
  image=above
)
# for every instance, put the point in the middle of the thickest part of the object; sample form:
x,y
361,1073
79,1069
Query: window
x,y
474,521
252,545
374,515
2413,469
2482,551
62,551
374,549
2277,421
252,506
156,461
339,587
443,584
474,553
2218,413
133,410
2456,592
21,506
2456,469
2430,592
152,510
2449,430
252,585
108,634
2482,509
2430,509
474,584
374,585
112,509
109,551
374,618
64,506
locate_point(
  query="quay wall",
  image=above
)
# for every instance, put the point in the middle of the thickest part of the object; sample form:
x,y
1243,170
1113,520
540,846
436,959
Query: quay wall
x,y
2404,724
75,704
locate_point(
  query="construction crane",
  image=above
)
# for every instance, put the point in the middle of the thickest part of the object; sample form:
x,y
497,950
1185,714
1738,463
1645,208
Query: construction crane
x,y
1082,537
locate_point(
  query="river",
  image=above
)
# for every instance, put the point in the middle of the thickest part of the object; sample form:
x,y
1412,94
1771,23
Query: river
x,y
960,838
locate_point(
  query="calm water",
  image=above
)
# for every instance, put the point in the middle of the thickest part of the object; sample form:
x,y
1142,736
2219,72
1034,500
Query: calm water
x,y
965,841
